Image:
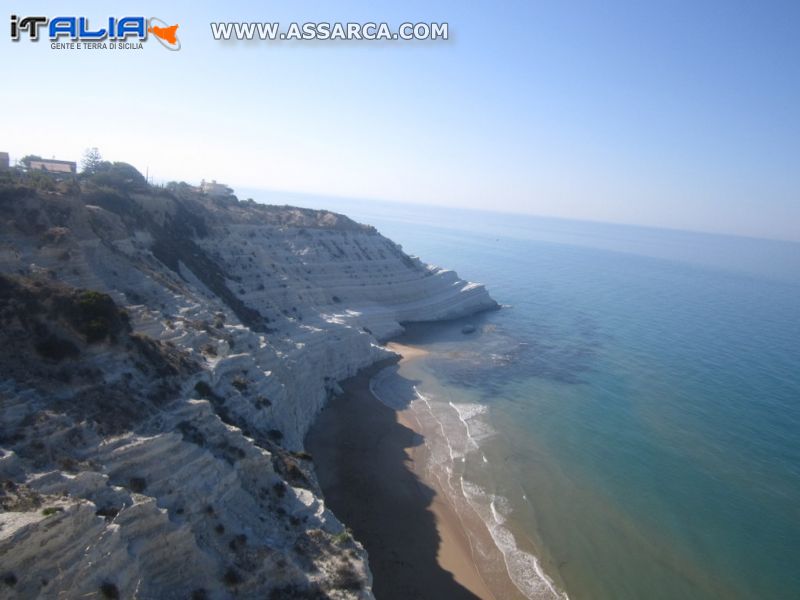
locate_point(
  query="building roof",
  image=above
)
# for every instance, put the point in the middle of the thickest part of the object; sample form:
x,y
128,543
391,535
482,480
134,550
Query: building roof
x,y
53,161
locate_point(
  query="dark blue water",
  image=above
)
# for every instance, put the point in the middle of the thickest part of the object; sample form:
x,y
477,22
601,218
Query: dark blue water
x,y
644,391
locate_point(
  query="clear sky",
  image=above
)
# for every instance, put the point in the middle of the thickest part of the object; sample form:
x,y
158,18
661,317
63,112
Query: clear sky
x,y
676,114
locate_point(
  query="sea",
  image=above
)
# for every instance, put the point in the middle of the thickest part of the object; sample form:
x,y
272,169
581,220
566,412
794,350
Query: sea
x,y
627,425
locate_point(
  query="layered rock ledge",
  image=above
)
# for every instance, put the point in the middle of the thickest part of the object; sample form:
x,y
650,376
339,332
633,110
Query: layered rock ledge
x,y
163,354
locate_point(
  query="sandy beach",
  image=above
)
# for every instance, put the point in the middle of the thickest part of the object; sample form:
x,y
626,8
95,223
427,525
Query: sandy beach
x,y
406,352
365,455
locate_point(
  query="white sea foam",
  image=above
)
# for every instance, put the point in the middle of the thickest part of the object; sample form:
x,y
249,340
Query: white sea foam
x,y
460,429
495,515
420,396
523,567
452,454
468,411
477,429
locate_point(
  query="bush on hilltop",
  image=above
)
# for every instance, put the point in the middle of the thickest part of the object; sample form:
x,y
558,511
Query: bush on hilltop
x,y
116,175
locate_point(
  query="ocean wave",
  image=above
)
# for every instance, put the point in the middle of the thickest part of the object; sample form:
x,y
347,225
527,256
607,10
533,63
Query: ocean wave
x,y
420,396
476,429
460,428
523,567
468,411
452,453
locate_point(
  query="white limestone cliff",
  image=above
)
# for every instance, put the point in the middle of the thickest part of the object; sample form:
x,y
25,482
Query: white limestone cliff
x,y
200,489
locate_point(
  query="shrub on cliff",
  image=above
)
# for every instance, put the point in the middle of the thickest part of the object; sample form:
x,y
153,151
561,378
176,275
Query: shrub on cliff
x,y
96,316
52,318
137,484
111,199
11,191
232,577
109,590
118,176
56,348
205,392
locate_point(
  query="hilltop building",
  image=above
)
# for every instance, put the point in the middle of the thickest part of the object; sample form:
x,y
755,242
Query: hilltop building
x,y
4,161
212,188
61,167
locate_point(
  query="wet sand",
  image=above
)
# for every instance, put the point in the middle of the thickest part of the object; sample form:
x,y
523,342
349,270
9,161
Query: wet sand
x,y
406,352
364,452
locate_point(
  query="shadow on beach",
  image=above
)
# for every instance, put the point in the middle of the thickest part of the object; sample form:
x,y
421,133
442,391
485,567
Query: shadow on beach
x,y
359,452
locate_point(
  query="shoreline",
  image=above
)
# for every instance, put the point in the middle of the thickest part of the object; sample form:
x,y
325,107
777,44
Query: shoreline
x,y
471,527
370,461
455,552
365,455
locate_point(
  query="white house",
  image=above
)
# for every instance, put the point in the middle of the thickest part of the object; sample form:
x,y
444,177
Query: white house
x,y
212,188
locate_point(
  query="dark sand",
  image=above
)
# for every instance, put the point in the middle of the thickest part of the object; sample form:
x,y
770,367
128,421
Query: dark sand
x,y
363,456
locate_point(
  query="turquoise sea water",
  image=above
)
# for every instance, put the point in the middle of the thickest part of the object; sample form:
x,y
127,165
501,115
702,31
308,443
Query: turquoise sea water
x,y
636,402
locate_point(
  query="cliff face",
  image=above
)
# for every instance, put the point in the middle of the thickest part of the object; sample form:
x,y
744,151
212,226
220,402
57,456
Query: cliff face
x,y
165,442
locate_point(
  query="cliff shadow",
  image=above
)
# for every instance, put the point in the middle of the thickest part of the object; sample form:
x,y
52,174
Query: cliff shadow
x,y
359,450
394,390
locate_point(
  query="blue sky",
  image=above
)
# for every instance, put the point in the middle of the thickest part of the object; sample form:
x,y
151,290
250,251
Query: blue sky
x,y
673,114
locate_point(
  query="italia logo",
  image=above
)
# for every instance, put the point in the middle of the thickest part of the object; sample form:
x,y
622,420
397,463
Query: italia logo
x,y
113,31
